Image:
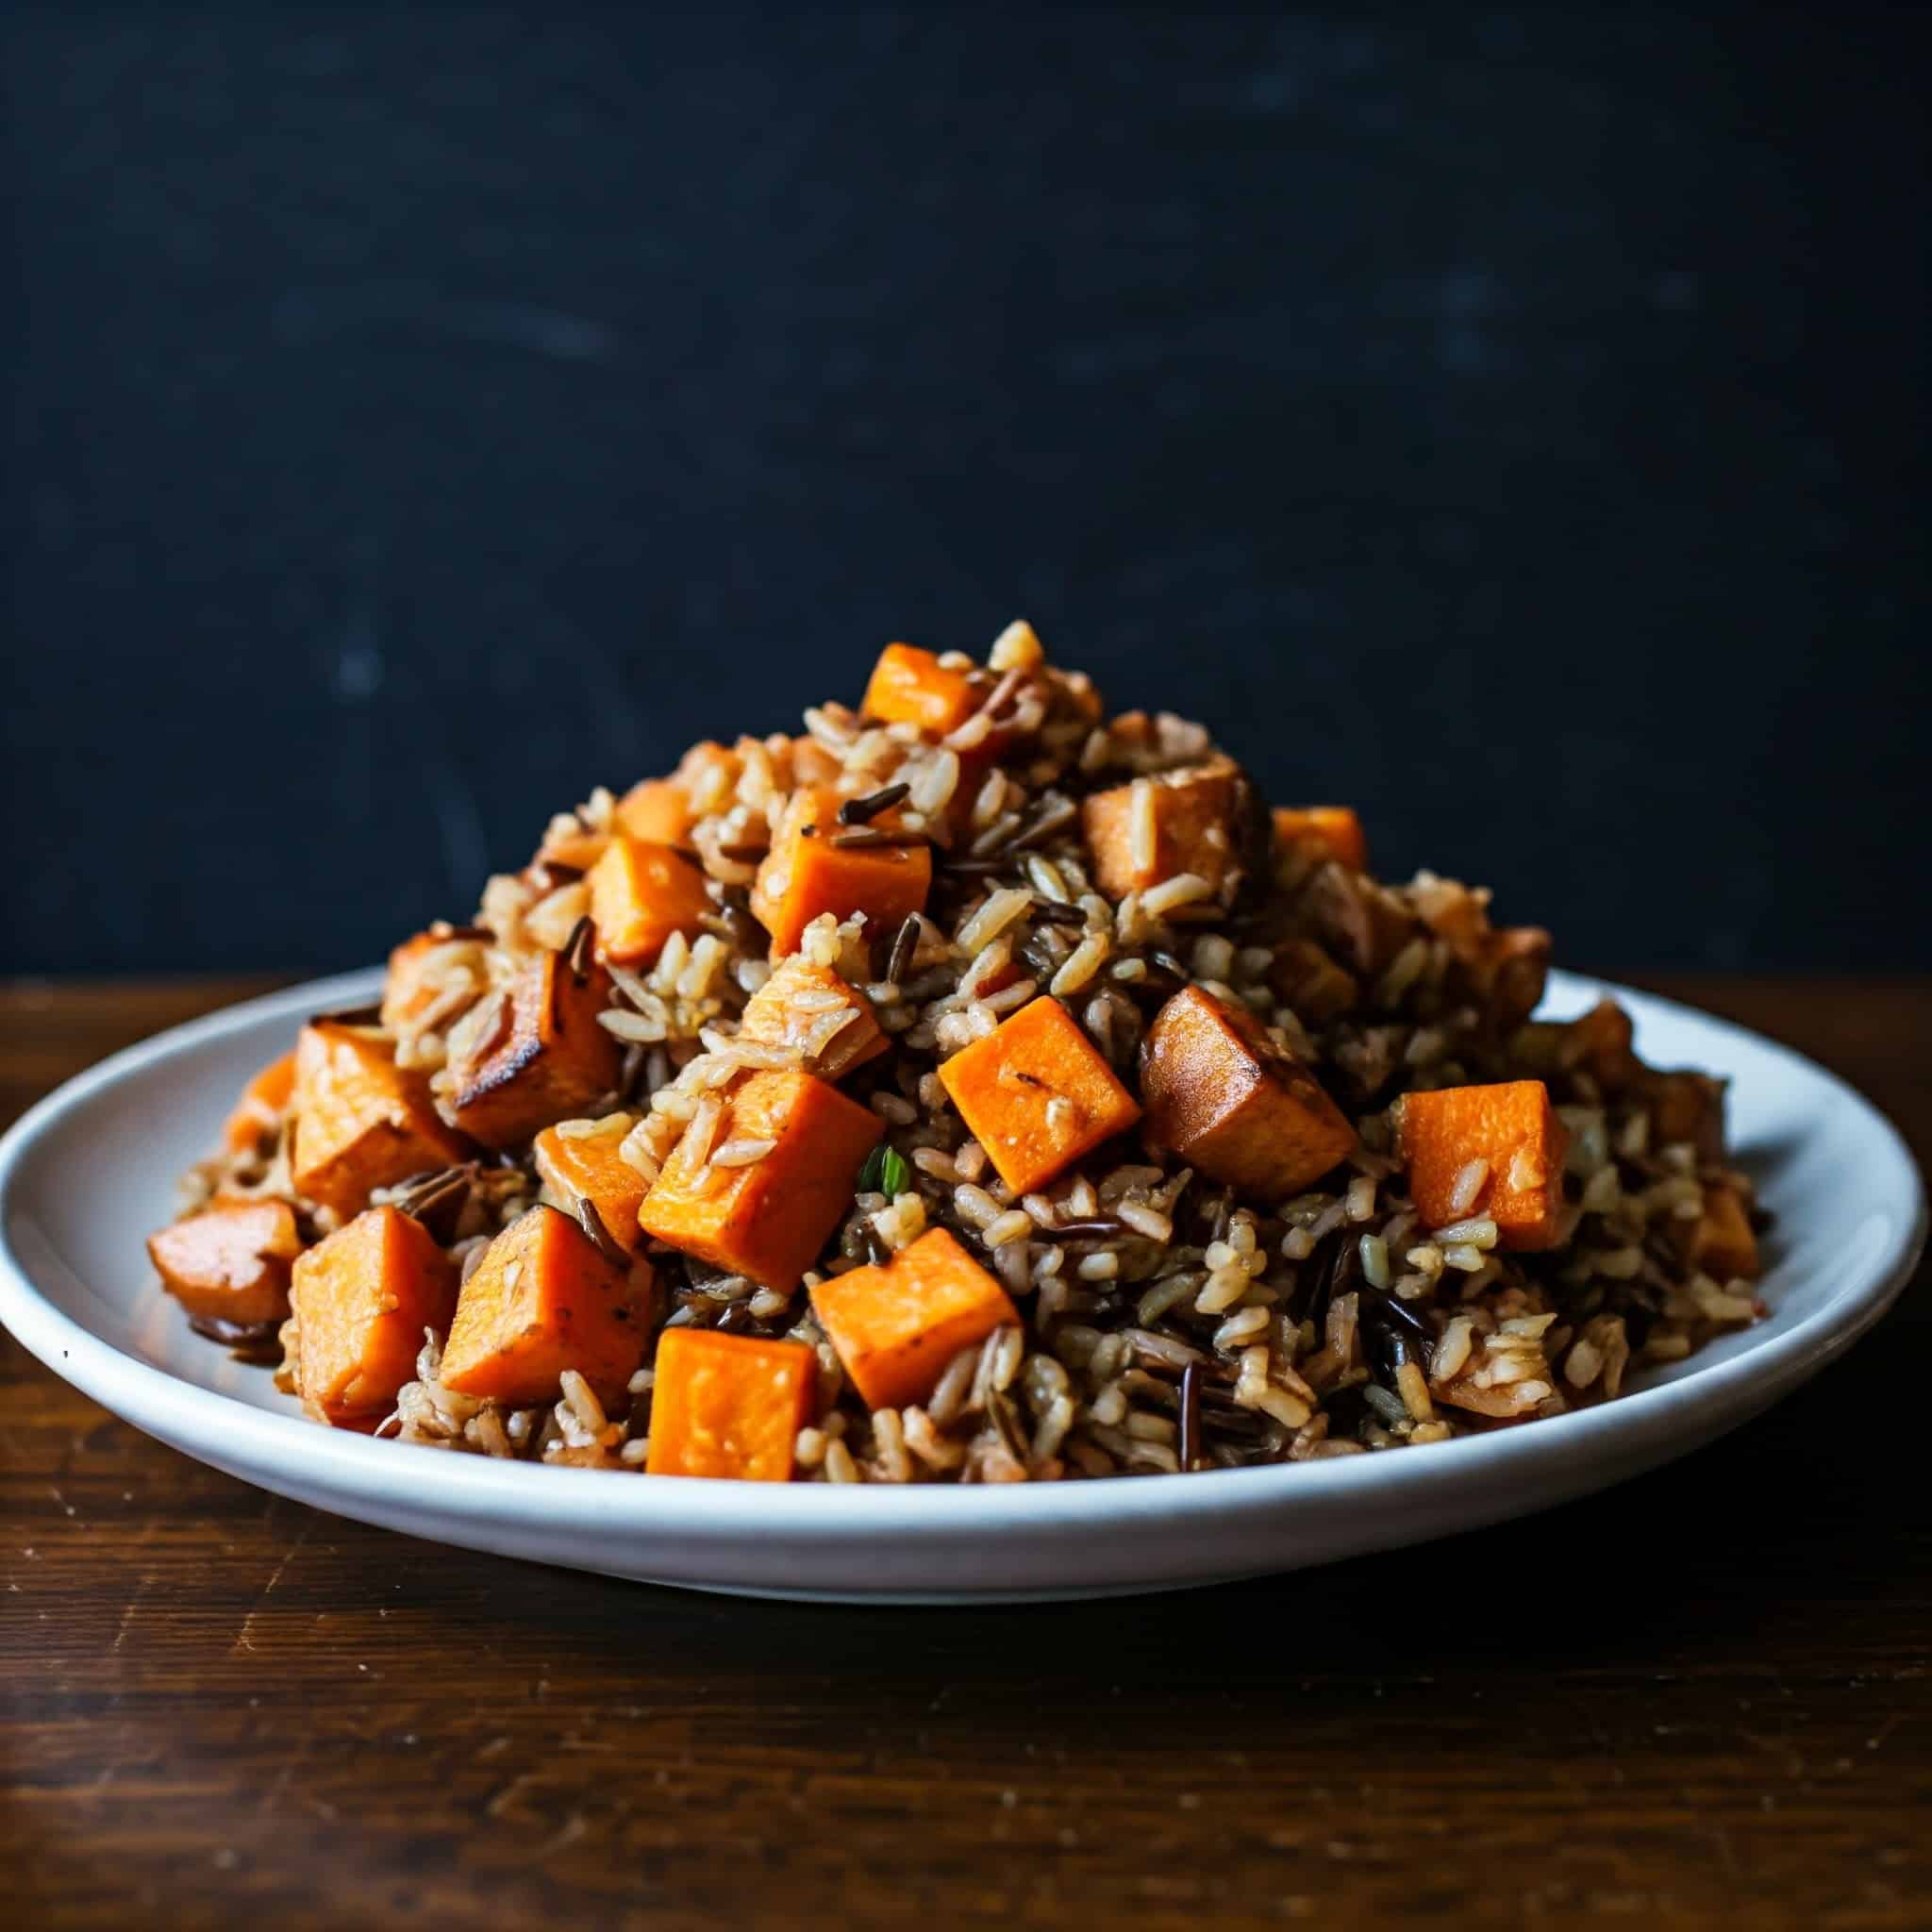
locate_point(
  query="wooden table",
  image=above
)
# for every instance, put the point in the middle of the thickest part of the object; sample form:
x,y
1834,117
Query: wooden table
x,y
1700,1699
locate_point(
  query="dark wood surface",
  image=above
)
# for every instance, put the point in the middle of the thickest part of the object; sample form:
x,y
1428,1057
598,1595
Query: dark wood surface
x,y
1700,1699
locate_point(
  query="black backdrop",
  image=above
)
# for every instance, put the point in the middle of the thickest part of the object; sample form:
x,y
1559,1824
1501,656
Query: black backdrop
x,y
1510,421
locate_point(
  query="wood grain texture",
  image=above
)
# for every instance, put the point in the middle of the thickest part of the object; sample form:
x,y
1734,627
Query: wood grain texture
x,y
1700,1699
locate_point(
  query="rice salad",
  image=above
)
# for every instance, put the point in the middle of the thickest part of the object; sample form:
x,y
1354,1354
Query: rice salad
x,y
969,1086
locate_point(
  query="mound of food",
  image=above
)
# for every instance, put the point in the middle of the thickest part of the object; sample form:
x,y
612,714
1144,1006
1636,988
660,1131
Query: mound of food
x,y
973,1088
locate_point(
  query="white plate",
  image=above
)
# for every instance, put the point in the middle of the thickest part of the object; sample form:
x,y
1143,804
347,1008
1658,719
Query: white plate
x,y
91,1171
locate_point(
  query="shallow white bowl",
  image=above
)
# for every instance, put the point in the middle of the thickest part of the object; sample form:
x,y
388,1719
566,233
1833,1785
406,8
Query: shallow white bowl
x,y
91,1171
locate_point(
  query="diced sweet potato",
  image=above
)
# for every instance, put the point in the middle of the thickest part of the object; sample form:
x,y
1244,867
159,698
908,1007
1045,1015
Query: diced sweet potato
x,y
1599,1042
1499,972
896,1328
440,968
1514,1131
361,1300
1197,820
640,894
912,687
577,848
544,1057
728,1404
658,810
1721,1241
544,1299
259,1110
808,872
812,1011
362,1122
769,1217
588,1167
1038,1095
1332,830
230,1263
1227,1100
1685,1107
1507,976
1305,978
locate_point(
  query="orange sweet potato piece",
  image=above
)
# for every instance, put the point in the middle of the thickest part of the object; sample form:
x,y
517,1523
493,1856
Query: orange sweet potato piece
x,y
1510,1126
1599,1041
1332,830
579,848
422,971
1225,1098
544,1058
895,1327
640,895
230,1263
545,1299
912,687
261,1106
807,873
1195,820
658,810
1721,1241
588,1167
361,1300
362,1122
728,1404
795,1010
1685,1107
1038,1095
768,1218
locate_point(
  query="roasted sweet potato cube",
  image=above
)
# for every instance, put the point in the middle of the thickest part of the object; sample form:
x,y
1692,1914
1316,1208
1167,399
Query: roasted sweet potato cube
x,y
640,895
1599,1042
1514,1132
362,1122
768,1216
895,1327
658,810
1038,1095
544,1058
1196,819
230,1263
812,1011
1685,1107
1225,1098
1334,831
437,973
1314,985
259,1110
1722,1243
571,845
808,873
362,1299
912,687
1510,968
728,1404
545,1299
579,1160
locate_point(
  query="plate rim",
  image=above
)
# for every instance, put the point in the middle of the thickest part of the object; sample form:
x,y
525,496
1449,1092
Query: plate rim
x,y
705,1509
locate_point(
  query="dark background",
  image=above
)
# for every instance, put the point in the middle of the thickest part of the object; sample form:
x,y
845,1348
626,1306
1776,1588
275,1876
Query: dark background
x,y
1512,422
